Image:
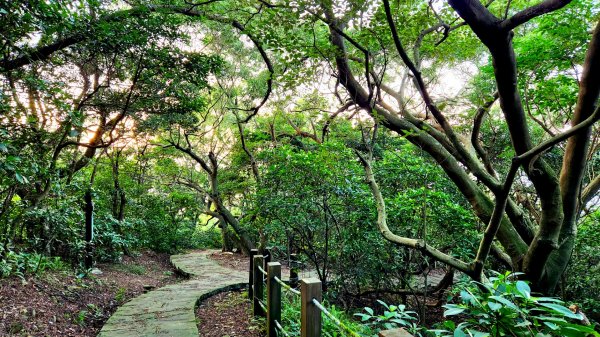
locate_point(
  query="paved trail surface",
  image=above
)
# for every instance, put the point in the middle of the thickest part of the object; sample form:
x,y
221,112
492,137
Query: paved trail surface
x,y
169,311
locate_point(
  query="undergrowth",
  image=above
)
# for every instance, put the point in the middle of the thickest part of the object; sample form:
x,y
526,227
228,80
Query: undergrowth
x,y
21,264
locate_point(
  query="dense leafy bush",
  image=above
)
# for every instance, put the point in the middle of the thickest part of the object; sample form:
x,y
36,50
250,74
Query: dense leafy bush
x,y
392,317
112,238
206,238
505,306
21,264
502,306
319,204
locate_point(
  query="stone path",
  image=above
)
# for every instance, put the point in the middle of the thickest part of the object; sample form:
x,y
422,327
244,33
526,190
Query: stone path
x,y
169,311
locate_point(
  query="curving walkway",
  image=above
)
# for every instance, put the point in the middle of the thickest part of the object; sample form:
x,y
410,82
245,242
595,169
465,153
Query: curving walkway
x,y
169,311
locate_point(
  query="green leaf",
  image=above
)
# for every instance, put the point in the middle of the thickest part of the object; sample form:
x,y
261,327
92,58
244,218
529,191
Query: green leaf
x,y
20,178
494,306
524,289
454,311
551,325
506,302
459,333
562,310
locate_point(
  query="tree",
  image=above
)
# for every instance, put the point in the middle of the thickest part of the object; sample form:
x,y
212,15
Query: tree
x,y
392,74
540,249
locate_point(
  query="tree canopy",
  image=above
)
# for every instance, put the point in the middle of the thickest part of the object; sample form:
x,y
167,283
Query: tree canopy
x,y
325,127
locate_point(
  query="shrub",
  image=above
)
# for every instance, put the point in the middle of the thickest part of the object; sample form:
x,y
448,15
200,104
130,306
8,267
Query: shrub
x,y
502,306
505,306
290,317
21,264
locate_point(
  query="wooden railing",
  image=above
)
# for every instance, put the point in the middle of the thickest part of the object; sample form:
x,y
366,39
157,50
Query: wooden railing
x,y
265,274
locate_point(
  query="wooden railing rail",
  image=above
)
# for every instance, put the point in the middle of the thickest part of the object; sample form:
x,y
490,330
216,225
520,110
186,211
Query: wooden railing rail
x,y
263,273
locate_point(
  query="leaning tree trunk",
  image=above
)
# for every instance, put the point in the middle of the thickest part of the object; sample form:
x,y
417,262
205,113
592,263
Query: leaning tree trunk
x,y
226,236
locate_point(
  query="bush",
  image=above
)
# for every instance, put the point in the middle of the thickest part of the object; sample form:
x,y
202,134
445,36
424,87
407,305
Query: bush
x,y
502,306
112,238
290,317
505,306
207,238
21,264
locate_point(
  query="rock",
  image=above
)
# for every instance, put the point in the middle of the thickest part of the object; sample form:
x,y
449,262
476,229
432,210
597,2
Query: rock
x,y
96,271
394,333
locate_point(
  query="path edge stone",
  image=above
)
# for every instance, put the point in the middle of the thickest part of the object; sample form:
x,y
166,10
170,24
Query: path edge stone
x,y
178,270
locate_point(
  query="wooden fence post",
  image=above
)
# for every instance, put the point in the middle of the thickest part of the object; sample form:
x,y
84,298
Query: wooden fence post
x,y
310,316
267,255
273,298
258,285
89,229
251,274
293,271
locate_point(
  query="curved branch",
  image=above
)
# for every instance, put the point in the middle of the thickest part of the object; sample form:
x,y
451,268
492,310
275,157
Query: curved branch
x,y
481,112
590,191
420,245
44,52
331,117
527,14
270,68
471,162
421,135
502,198
247,151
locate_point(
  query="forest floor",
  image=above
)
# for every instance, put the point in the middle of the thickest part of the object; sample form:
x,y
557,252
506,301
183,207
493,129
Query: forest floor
x,y
60,304
228,314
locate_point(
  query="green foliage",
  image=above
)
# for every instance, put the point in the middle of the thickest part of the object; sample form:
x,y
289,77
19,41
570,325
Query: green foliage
x,y
120,294
505,306
582,279
290,319
392,317
132,269
90,314
22,264
317,193
311,195
502,306
207,238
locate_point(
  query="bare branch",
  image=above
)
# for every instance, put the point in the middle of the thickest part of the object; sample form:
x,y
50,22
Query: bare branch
x,y
527,14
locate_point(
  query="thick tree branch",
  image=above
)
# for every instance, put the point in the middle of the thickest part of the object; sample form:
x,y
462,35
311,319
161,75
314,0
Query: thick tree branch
x,y
253,165
43,53
527,14
502,196
481,203
590,191
193,155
